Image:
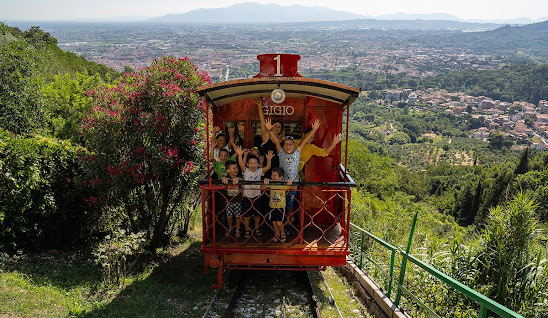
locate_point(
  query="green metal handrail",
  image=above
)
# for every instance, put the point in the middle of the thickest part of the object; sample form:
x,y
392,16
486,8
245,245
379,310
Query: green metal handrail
x,y
482,300
486,304
389,246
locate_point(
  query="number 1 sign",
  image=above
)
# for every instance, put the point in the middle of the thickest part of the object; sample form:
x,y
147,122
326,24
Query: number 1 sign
x,y
278,65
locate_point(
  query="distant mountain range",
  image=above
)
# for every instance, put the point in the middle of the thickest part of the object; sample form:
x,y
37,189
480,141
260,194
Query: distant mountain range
x,y
251,12
450,17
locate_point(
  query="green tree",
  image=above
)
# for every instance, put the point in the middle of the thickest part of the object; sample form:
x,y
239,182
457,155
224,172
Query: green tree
x,y
523,165
40,204
20,105
37,37
399,138
66,103
371,171
496,140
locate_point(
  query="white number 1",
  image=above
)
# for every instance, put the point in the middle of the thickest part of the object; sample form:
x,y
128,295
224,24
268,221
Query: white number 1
x,y
277,59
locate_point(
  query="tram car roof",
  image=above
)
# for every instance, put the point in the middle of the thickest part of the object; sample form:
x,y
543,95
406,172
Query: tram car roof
x,y
277,71
294,87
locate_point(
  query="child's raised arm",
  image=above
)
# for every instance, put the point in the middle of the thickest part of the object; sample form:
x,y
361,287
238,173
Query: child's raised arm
x,y
308,136
268,124
264,130
240,153
269,157
231,143
213,144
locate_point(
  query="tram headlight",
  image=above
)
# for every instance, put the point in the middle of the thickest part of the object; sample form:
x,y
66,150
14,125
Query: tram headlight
x,y
277,96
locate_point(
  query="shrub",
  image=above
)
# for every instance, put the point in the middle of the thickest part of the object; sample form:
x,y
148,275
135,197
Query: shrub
x,y
40,204
113,252
145,146
510,259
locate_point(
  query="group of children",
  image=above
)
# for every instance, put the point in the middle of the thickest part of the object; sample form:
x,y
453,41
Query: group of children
x,y
282,166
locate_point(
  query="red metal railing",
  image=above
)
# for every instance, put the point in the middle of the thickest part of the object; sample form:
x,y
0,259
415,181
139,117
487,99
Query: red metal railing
x,y
322,215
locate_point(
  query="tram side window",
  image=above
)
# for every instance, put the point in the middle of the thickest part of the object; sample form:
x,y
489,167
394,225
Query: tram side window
x,y
239,131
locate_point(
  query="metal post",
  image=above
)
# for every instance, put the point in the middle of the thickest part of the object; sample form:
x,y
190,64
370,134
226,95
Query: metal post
x,y
392,257
213,217
483,312
341,219
346,141
404,261
204,219
361,251
347,234
301,207
207,142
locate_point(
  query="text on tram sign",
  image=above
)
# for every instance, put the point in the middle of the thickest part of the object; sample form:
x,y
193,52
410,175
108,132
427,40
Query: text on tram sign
x,y
278,110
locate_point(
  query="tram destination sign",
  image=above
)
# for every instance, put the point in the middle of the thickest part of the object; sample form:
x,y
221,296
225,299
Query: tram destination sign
x,y
278,110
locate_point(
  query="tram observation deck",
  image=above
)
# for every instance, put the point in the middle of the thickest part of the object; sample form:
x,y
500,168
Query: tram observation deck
x,y
321,210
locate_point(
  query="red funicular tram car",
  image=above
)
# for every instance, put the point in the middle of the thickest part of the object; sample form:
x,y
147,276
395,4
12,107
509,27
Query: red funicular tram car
x,y
323,197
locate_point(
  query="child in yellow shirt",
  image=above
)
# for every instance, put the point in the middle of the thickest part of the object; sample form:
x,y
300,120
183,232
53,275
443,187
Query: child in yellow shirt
x,y
277,203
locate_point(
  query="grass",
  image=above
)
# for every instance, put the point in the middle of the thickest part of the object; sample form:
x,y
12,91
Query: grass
x,y
173,284
62,285
349,305
46,286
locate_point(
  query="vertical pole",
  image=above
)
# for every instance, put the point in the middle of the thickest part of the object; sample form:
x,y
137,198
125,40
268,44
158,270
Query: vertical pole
x,y
347,234
361,251
213,217
204,218
340,216
482,312
301,232
392,257
346,140
404,261
207,141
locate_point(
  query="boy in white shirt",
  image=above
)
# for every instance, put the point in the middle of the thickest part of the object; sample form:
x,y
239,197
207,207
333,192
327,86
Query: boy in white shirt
x,y
251,193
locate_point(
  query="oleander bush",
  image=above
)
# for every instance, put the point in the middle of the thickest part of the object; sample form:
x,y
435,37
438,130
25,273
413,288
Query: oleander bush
x,y
145,147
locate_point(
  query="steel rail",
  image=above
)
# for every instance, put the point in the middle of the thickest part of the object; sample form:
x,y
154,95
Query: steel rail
x,y
333,302
214,300
229,313
313,303
314,184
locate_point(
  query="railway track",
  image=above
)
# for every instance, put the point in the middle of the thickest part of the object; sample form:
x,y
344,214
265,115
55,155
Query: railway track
x,y
270,294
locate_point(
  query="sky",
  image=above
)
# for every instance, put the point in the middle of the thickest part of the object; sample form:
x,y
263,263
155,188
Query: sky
x,y
89,9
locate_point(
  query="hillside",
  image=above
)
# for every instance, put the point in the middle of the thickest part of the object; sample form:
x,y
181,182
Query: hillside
x,y
42,87
528,40
510,83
